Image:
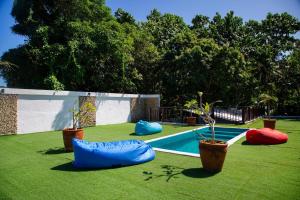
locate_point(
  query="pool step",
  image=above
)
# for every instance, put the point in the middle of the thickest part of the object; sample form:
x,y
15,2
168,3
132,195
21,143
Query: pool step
x,y
224,133
218,136
235,130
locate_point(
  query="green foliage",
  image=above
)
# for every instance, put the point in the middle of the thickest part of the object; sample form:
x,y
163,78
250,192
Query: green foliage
x,y
52,83
268,101
200,26
227,30
80,45
124,17
164,28
191,104
83,114
77,42
145,63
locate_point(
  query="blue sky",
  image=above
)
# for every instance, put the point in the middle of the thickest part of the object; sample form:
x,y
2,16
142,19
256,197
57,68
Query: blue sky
x,y
254,9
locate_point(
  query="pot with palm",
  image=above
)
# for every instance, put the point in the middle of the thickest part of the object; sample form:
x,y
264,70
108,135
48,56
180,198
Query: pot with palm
x,y
212,151
268,101
191,107
80,116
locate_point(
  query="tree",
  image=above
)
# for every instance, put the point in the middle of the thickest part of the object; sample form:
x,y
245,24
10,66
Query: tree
x,y
79,45
124,17
230,78
164,28
73,44
278,31
189,72
146,63
227,30
201,26
289,91
266,46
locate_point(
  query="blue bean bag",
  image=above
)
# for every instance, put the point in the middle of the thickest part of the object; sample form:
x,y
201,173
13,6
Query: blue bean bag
x,y
146,128
110,154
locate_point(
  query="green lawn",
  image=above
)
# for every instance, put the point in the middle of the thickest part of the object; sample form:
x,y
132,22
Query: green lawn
x,y
34,166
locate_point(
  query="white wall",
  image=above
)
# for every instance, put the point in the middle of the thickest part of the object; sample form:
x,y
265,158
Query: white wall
x,y
46,110
37,113
112,110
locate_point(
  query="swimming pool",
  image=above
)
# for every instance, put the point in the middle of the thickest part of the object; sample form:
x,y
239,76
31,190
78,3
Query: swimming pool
x,y
186,143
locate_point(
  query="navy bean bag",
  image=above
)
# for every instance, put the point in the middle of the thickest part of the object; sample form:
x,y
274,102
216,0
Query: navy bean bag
x,y
266,136
146,128
111,154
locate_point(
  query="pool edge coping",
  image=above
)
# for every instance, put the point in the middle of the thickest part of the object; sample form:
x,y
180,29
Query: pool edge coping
x,y
229,142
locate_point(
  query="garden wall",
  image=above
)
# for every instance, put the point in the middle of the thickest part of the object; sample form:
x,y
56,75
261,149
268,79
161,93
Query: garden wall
x,y
26,111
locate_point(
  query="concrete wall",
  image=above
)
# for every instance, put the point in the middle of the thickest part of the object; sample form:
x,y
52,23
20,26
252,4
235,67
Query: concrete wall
x,y
45,110
112,110
37,113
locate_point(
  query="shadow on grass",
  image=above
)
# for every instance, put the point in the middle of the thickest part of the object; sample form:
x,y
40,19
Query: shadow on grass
x,y
266,145
134,134
248,144
68,167
51,151
170,172
65,167
197,173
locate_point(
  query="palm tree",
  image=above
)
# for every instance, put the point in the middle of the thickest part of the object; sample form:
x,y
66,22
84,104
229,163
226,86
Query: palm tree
x,y
267,100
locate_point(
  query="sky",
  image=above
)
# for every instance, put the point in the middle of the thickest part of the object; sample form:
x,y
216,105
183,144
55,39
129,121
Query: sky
x,y
251,9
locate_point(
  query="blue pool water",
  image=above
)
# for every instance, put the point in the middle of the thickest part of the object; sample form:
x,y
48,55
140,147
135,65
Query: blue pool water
x,y
188,142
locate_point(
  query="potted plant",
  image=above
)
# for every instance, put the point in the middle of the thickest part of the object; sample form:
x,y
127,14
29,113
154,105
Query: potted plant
x,y
191,106
212,151
80,116
268,101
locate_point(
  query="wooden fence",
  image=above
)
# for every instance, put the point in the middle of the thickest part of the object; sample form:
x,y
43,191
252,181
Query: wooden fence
x,y
221,114
239,115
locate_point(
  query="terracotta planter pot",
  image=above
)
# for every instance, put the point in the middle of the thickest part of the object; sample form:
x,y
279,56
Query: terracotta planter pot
x,y
212,155
191,121
270,123
69,134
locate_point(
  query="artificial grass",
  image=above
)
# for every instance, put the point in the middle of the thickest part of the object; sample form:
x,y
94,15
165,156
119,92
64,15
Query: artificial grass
x,y
35,166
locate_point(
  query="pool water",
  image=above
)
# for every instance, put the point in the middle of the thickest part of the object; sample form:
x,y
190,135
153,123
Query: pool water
x,y
188,142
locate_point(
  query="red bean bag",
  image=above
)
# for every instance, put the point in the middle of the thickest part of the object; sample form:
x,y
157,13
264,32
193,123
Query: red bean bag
x,y
265,136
